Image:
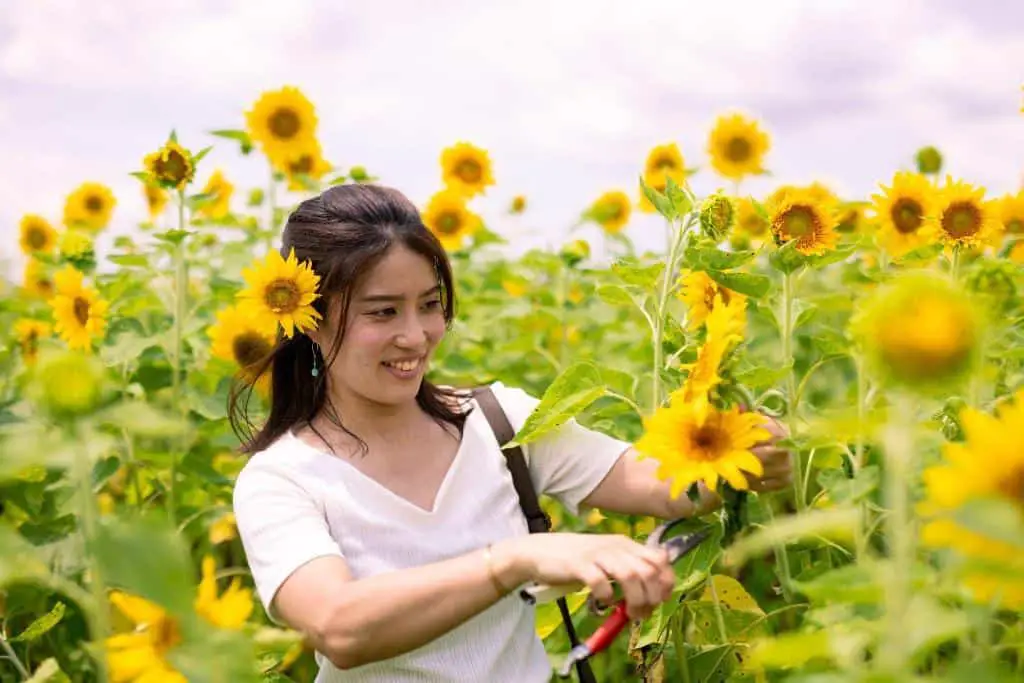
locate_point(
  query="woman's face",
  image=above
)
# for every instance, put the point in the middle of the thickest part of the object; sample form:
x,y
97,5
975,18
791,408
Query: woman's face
x,y
395,321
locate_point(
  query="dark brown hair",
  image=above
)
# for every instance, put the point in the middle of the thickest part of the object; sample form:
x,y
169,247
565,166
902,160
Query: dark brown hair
x,y
342,233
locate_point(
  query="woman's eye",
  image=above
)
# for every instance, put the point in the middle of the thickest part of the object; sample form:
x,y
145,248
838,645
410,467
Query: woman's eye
x,y
431,305
382,313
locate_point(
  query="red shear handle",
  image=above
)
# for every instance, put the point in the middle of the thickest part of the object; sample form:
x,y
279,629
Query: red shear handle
x,y
606,633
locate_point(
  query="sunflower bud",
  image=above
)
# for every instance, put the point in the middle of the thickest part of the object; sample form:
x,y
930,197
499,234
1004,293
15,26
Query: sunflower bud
x,y
920,332
518,204
76,248
994,282
67,384
574,252
172,166
358,174
717,215
255,197
929,160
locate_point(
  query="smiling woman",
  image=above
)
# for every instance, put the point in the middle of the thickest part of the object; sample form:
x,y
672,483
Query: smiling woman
x,y
377,512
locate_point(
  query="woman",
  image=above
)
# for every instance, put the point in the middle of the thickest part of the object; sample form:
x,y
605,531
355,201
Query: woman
x,y
377,512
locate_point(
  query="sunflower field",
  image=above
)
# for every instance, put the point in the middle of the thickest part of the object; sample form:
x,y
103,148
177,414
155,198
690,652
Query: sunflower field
x,y
886,332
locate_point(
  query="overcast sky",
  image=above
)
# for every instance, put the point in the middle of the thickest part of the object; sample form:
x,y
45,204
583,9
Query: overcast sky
x,y
567,95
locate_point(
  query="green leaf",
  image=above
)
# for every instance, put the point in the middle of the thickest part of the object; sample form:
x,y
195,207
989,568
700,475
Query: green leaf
x,y
202,153
852,583
548,617
617,295
127,347
129,259
930,625
172,236
640,275
712,258
807,313
680,198
749,284
786,259
705,630
197,201
49,672
239,135
838,521
40,626
142,419
835,256
146,557
761,377
845,490
570,393
660,201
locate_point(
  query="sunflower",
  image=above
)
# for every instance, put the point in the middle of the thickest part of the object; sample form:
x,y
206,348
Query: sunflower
x,y
75,244
78,311
28,333
717,216
171,166
281,291
851,218
920,330
466,169
140,655
244,340
224,529
282,122
448,218
156,199
700,293
749,221
228,611
989,463
36,280
805,215
221,188
1016,254
37,235
611,211
694,441
726,323
1010,212
307,163
663,162
518,205
737,146
90,207
965,219
906,212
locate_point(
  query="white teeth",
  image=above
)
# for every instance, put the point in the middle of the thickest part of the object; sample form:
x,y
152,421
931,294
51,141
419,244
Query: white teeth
x,y
404,366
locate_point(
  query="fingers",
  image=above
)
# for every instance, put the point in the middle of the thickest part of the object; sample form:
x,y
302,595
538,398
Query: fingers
x,y
644,574
598,581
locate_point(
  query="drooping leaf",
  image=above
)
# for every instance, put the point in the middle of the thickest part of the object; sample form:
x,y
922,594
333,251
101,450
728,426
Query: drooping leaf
x,y
645,276
548,617
749,284
40,626
570,393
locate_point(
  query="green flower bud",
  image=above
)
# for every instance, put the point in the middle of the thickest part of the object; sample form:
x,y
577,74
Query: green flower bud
x,y
717,215
929,160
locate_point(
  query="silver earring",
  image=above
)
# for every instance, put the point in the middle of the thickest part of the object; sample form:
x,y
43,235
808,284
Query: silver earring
x,y
315,371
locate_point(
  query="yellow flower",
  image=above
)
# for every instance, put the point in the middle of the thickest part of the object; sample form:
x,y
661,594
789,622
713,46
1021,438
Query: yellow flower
x,y
37,235
308,162
1011,214
906,213
449,219
140,655
805,215
694,442
283,122
699,292
515,287
726,323
171,166
663,162
243,339
466,169
518,204
1017,252
281,291
221,188
228,611
748,220
78,310
36,280
75,243
737,146
156,199
989,463
964,217
28,333
90,207
851,219
224,529
611,211
920,330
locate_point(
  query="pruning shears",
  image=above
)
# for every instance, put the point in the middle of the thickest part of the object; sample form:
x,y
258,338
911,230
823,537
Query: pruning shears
x,y
677,547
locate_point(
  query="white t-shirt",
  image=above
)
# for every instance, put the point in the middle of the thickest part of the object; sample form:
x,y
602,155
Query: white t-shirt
x,y
294,503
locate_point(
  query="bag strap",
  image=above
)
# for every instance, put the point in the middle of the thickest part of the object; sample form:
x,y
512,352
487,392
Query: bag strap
x,y
536,519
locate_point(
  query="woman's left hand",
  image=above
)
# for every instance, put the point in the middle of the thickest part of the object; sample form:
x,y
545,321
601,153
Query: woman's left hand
x,y
777,461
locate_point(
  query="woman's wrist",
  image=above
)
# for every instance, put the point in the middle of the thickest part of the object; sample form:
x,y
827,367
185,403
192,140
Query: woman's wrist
x,y
508,565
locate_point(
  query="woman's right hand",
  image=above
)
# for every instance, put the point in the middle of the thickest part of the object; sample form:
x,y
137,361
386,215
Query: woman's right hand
x,y
644,574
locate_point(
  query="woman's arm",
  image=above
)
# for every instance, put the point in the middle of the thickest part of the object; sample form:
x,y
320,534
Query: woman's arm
x,y
632,486
357,622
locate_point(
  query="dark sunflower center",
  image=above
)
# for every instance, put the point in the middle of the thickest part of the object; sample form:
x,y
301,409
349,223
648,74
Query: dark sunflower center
x,y
282,296
37,238
664,164
93,204
906,215
708,438
81,310
849,221
1015,226
249,348
304,165
614,211
961,219
754,224
174,168
800,221
284,123
44,285
448,223
1013,485
469,170
738,149
30,344
167,634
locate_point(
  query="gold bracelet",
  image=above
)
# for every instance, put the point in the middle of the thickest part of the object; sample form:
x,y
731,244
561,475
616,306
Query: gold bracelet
x,y
489,559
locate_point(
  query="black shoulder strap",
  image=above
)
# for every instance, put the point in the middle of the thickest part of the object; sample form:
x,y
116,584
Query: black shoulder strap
x,y
536,519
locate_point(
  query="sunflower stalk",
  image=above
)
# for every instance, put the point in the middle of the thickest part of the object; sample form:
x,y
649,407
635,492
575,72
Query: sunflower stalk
x,y
675,242
788,361
13,656
860,531
180,306
272,209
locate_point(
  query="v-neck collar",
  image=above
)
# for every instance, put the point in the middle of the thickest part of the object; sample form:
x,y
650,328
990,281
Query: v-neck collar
x,y
364,478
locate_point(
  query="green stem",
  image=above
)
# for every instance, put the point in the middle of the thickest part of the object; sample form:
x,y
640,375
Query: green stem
x,y
860,536
899,466
96,617
272,214
954,269
563,341
788,361
180,297
679,636
676,239
12,655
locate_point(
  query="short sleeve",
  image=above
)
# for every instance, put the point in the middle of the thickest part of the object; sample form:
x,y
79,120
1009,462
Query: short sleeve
x,y
281,527
568,463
